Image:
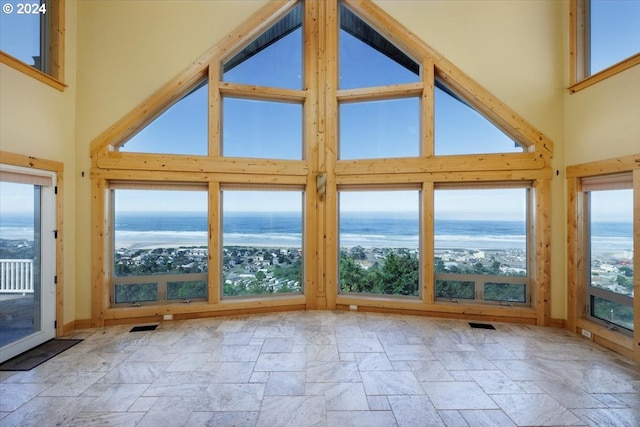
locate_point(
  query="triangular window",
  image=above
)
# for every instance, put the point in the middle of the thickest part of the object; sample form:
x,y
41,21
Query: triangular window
x,y
368,59
273,59
181,129
460,129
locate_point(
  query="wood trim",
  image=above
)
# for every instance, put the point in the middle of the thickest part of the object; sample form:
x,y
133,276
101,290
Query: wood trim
x,y
543,251
574,213
578,40
99,248
57,41
31,162
215,244
381,93
442,308
558,323
467,163
196,164
236,90
460,176
427,246
200,177
606,73
443,315
215,107
314,288
198,308
636,265
329,236
31,72
15,159
427,109
604,167
601,330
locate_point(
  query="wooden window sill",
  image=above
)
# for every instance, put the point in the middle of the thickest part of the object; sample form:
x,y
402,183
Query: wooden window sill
x,y
606,73
32,72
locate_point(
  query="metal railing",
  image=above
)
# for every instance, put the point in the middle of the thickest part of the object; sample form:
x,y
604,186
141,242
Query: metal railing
x,y
16,276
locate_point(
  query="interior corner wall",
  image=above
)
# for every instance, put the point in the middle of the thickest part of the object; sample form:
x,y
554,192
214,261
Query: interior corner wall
x,y
38,120
127,50
603,120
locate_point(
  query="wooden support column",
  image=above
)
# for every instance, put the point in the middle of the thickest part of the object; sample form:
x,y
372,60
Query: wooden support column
x,y
543,251
427,244
636,262
99,255
214,283
328,87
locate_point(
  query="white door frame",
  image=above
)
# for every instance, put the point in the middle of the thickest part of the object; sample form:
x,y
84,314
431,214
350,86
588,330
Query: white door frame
x,y
47,264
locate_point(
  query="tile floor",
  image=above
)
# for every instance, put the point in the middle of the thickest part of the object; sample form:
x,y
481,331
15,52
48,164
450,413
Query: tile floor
x,y
325,368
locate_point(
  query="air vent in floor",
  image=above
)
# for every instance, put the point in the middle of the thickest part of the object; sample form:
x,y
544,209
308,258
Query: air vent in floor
x,y
481,325
143,328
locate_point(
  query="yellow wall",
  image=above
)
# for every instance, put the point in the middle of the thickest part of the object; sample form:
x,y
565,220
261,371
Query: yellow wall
x,y
603,120
38,120
127,49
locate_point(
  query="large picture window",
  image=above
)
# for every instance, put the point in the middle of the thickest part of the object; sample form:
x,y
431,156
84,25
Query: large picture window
x,y
160,244
481,248
379,242
262,242
609,231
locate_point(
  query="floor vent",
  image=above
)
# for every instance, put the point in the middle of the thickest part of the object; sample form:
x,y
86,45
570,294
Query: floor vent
x,y
481,325
143,328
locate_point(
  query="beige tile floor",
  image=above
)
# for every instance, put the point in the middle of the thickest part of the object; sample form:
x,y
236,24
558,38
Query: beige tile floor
x,y
325,368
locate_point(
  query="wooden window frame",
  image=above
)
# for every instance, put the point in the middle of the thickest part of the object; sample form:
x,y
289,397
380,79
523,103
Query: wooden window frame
x,y
530,249
578,319
579,51
161,280
320,173
55,76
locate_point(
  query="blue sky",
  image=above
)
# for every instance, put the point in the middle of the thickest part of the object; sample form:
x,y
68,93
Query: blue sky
x,y
367,130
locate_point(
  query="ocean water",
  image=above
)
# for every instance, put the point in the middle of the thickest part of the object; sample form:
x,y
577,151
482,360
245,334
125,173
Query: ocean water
x,y
284,230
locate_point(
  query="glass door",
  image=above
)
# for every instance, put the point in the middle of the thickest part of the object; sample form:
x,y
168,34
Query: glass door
x,y
27,260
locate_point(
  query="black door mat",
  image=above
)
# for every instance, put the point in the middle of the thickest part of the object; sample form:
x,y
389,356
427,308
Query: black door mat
x,y
38,355
143,328
481,325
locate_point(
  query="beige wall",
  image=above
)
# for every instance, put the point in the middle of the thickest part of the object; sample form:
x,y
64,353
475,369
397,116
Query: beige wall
x,y
38,120
126,50
603,120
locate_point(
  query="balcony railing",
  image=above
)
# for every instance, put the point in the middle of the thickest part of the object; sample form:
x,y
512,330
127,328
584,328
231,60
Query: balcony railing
x,y
16,276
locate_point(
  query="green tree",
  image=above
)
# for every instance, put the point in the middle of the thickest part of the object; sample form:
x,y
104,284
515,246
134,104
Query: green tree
x,y
352,275
626,271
